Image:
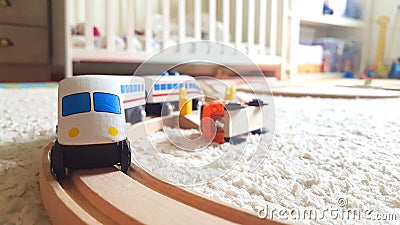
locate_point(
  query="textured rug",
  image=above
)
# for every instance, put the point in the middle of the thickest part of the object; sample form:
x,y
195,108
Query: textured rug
x,y
334,159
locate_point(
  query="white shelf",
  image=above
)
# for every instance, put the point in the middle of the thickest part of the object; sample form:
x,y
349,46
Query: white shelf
x,y
302,15
331,20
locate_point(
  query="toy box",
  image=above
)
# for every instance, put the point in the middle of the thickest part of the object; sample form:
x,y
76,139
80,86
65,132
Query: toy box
x,y
309,58
340,55
353,9
332,54
351,57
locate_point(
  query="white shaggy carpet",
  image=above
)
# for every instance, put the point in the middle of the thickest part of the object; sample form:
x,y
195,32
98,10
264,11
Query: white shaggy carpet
x,y
326,153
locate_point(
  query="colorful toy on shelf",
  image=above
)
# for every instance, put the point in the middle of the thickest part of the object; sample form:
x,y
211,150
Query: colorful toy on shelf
x,y
395,70
380,51
232,119
163,93
91,125
326,10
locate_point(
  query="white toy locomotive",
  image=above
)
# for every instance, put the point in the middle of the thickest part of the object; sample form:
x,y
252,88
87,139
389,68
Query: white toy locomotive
x,y
91,125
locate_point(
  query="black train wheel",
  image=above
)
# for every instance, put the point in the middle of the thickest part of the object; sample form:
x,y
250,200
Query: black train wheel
x,y
125,156
57,162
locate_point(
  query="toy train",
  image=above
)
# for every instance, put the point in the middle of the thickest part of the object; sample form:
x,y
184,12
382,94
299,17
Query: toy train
x,y
93,110
91,125
163,93
230,119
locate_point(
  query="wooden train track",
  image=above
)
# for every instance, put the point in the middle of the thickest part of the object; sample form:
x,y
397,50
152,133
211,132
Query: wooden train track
x,y
108,196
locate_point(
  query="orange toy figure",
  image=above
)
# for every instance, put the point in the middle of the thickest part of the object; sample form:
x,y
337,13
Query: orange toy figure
x,y
232,119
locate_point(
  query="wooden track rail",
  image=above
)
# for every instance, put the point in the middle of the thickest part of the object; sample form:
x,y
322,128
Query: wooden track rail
x,y
108,196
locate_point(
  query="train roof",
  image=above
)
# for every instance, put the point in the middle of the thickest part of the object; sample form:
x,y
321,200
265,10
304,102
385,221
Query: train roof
x,y
154,78
95,83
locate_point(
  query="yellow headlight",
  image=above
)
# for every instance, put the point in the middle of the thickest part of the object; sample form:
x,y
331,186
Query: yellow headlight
x,y
113,131
73,132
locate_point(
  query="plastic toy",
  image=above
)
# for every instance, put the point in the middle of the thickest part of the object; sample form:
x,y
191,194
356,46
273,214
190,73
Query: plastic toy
x,y
395,70
80,29
230,93
185,105
163,93
380,51
326,10
231,120
91,125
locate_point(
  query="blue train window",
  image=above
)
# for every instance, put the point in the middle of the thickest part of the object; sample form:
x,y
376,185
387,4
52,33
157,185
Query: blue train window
x,y
163,87
123,89
106,102
75,103
180,85
135,87
156,87
169,86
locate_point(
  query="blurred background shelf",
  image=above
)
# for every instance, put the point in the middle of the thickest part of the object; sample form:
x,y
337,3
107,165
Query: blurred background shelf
x,y
331,20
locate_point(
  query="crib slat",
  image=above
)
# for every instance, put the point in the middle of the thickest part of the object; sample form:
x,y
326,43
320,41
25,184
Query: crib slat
x,y
68,51
166,15
212,12
182,20
149,24
238,23
225,21
250,26
262,28
110,15
273,32
130,26
197,19
89,17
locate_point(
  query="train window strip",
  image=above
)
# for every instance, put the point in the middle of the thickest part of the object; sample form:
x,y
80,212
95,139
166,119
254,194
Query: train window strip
x,y
132,88
171,86
76,103
106,102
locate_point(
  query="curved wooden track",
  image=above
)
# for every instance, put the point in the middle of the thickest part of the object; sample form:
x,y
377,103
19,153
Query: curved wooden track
x,y
108,196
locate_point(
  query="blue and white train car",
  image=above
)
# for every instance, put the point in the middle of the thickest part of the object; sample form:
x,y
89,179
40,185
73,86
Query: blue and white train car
x,y
134,97
91,125
163,93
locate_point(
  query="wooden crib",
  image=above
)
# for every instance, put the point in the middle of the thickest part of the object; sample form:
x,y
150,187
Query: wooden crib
x,y
133,30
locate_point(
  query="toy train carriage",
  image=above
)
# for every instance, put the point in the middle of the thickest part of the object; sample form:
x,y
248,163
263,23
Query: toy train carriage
x,y
163,93
134,97
91,125
230,120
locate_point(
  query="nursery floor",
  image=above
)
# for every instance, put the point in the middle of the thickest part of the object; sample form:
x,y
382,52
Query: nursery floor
x,y
326,154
